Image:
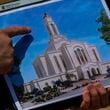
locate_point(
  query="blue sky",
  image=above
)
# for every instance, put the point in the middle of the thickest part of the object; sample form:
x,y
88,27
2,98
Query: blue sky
x,y
76,19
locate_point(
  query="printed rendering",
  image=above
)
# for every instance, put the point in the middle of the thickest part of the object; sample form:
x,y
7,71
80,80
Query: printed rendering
x,y
65,67
65,59
67,48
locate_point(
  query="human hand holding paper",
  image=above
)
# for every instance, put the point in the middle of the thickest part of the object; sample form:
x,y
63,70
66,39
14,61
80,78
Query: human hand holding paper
x,y
6,48
95,96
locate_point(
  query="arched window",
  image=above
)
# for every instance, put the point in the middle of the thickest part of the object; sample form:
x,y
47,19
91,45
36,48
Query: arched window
x,y
77,56
89,74
95,54
57,63
93,72
81,56
84,55
63,62
54,29
98,71
40,73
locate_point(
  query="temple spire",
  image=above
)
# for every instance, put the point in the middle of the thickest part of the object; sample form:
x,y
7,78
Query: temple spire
x,y
51,27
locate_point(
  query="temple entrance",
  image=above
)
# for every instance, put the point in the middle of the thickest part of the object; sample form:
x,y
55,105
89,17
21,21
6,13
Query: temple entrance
x,y
98,71
93,72
89,74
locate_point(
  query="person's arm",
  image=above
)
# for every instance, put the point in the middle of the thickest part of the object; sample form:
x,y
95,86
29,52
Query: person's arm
x,y
6,48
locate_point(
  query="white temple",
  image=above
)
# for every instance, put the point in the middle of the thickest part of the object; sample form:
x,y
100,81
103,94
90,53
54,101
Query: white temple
x,y
78,59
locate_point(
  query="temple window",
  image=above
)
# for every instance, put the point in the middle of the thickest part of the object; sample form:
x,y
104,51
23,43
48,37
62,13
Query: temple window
x,y
63,62
95,54
40,74
57,63
77,57
98,71
81,56
82,50
54,29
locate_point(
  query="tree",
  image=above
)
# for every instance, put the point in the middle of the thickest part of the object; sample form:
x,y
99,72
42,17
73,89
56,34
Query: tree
x,y
105,26
47,87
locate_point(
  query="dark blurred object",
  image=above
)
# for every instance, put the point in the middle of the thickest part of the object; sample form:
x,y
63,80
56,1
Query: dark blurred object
x,y
22,46
15,75
108,72
62,105
108,3
6,101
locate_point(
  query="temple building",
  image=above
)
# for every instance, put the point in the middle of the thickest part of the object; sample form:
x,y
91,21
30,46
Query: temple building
x,y
78,59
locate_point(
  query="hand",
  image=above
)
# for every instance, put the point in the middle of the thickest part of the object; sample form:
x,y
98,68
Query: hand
x,y
95,96
6,48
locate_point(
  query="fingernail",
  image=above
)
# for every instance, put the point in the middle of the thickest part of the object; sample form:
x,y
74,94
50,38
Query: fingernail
x,y
29,29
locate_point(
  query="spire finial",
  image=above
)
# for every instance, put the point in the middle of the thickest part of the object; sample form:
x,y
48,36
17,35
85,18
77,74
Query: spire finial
x,y
51,26
45,15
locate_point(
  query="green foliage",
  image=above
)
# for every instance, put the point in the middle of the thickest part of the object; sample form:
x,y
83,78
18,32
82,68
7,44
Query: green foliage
x,y
105,26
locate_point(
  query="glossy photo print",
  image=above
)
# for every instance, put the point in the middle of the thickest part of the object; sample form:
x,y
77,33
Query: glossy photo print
x,y
67,49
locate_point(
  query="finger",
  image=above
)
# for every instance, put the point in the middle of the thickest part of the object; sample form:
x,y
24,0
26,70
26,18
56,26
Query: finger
x,y
108,90
86,100
15,30
102,93
95,99
7,67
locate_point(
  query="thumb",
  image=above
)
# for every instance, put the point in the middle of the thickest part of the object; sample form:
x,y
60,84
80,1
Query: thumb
x,y
15,30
